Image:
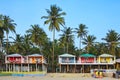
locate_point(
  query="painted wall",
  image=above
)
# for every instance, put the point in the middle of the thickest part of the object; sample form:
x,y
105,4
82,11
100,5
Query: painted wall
x,y
106,60
35,59
67,59
14,59
85,60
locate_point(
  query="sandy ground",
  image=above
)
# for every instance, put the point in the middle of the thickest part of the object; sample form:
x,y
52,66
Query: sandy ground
x,y
58,76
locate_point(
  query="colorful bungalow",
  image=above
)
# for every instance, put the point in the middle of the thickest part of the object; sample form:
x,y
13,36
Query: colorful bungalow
x,y
106,58
106,61
86,58
13,62
118,64
85,62
67,62
36,62
17,62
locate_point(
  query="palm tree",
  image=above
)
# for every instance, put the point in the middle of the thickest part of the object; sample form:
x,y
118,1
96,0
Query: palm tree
x,y
27,44
89,41
54,19
112,38
1,30
37,36
8,26
17,47
67,37
81,33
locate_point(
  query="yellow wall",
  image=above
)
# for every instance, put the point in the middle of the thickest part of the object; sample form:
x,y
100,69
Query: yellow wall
x,y
106,59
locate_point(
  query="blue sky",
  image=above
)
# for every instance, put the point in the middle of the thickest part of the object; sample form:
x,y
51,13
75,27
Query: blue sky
x,y
98,15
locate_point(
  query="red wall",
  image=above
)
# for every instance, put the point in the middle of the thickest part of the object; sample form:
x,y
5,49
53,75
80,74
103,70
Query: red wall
x,y
14,59
86,60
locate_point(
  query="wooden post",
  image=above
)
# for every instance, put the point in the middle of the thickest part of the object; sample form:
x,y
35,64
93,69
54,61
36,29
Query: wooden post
x,y
90,67
60,67
75,68
28,68
36,67
21,67
107,66
83,69
67,67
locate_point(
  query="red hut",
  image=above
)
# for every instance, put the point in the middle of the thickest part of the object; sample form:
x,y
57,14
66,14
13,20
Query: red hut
x,y
13,58
86,58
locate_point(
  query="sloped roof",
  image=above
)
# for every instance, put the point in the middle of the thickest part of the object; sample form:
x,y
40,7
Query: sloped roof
x,y
66,55
106,55
35,55
87,55
118,60
14,55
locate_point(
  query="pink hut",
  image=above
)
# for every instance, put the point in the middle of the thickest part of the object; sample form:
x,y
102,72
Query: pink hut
x,y
13,62
13,58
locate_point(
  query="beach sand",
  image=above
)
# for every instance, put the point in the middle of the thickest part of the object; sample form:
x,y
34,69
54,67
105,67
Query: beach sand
x,y
58,76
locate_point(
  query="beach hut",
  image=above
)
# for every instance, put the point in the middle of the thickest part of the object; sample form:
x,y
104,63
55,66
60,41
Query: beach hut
x,y
67,62
36,62
118,63
86,58
13,62
85,61
106,60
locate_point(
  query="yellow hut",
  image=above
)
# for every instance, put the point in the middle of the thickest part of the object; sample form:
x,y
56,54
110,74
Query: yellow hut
x,y
106,60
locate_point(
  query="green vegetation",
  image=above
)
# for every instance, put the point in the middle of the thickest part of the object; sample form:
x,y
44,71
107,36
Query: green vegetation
x,y
35,39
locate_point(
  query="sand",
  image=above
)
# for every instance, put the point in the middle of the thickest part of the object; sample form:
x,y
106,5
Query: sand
x,y
58,76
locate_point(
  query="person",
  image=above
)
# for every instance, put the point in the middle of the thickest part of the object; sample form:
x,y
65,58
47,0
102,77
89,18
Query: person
x,y
94,74
100,74
97,74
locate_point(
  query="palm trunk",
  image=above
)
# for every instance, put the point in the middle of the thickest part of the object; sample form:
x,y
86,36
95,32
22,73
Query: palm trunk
x,y
67,47
53,50
1,45
7,43
80,44
40,48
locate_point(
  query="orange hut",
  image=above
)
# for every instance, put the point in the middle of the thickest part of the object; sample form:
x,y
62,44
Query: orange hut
x,y
36,62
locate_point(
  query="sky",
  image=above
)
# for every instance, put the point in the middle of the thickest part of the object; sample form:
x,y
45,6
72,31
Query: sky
x,y
98,15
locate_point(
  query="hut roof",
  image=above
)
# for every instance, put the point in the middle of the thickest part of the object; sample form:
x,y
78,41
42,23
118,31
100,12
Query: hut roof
x,y
106,55
87,55
66,55
118,60
14,55
35,55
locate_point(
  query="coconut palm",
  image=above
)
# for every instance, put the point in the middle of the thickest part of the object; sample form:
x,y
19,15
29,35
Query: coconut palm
x,y
81,33
67,37
1,30
112,38
27,44
37,35
89,41
17,47
54,19
8,25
